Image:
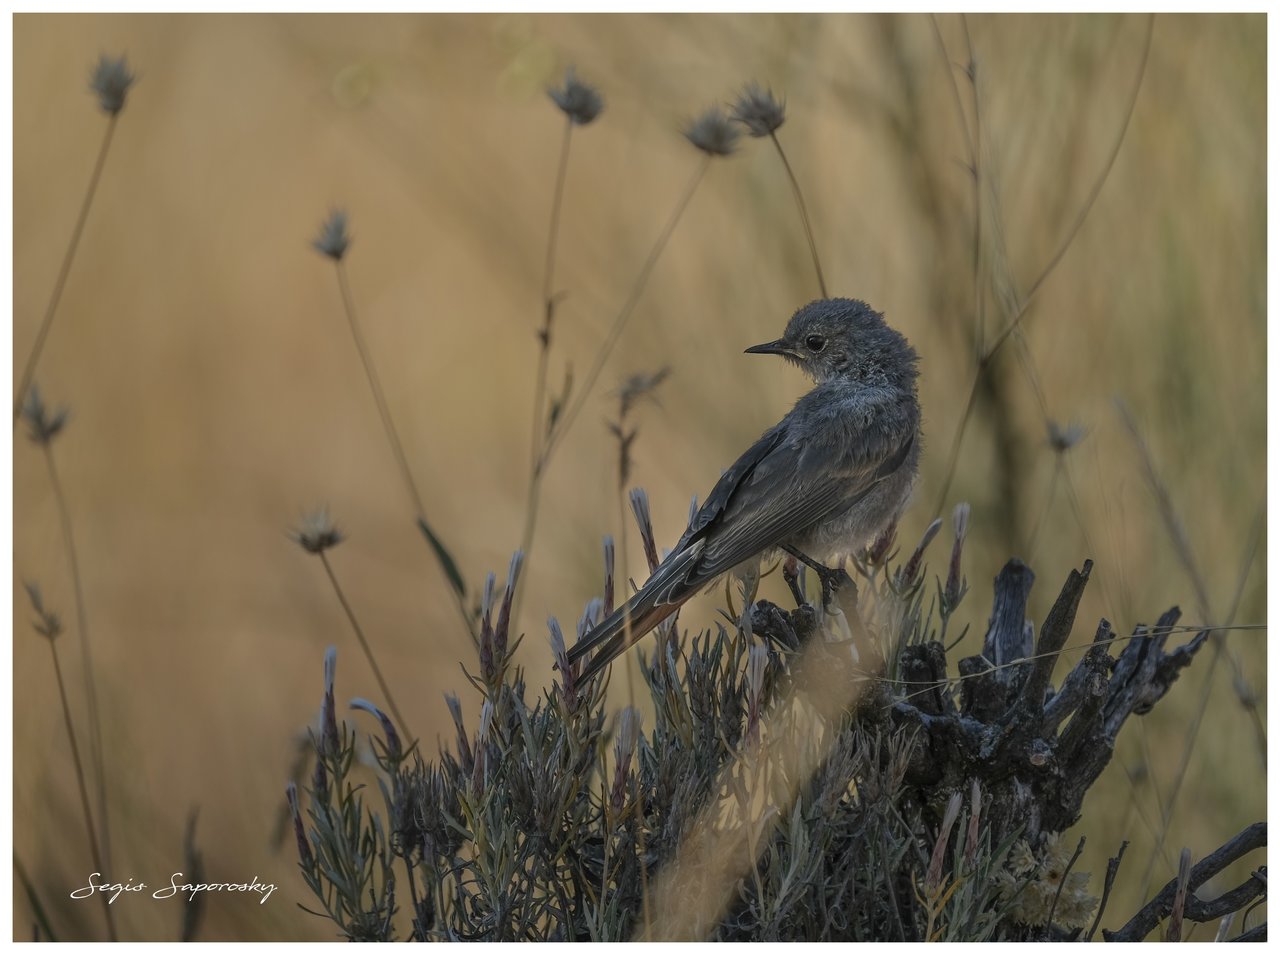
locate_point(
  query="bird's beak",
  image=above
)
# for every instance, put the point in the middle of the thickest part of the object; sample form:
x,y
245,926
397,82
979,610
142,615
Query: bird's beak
x,y
779,347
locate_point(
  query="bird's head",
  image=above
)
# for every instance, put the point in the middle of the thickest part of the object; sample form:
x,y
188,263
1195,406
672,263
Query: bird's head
x,y
842,337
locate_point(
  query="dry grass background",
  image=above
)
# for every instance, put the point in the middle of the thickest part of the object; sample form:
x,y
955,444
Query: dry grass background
x,y
215,393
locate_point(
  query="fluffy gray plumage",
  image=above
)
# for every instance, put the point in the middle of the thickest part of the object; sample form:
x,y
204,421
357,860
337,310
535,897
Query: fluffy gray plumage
x,y
824,480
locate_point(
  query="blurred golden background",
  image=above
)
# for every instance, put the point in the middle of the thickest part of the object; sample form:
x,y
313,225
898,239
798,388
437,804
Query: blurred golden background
x,y
215,394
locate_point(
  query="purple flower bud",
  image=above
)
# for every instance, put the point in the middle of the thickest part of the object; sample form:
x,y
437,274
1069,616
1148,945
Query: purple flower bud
x,y
955,583
907,574
933,879
394,751
504,614
465,757
624,747
304,849
608,575
329,720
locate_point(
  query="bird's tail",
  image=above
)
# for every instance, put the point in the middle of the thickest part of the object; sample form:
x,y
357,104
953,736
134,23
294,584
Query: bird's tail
x,y
620,631
662,595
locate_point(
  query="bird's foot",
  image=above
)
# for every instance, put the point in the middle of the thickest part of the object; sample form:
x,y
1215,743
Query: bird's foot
x,y
833,580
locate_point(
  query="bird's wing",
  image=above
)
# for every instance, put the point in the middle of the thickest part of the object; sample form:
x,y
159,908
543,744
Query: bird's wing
x,y
722,494
786,488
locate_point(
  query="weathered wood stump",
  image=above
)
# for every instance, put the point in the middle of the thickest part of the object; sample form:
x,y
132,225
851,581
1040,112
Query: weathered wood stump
x,y
1035,750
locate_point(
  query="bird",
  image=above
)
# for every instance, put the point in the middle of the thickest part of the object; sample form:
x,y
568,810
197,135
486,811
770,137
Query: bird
x,y
820,484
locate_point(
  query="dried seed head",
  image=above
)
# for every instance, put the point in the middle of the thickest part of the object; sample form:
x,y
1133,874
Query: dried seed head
x,y
110,82
316,532
579,101
394,750
1021,859
42,424
759,111
333,239
639,386
1053,889
1065,437
713,133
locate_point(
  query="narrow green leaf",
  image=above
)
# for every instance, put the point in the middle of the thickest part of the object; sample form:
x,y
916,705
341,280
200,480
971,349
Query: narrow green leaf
x,y
446,559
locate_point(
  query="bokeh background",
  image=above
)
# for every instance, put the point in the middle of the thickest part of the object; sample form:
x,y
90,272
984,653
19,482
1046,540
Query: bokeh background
x,y
216,396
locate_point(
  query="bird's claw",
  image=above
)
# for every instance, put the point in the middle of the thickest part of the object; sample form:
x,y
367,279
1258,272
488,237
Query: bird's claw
x,y
833,581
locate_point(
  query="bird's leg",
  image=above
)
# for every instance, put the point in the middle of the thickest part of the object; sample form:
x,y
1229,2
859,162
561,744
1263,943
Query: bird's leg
x,y
791,574
832,580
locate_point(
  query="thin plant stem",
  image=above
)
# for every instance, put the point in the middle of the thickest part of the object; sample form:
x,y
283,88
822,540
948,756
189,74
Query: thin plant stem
x,y
39,916
539,431
1020,313
388,425
1183,547
955,89
975,151
972,145
60,283
364,644
1063,881
553,437
82,622
621,593
804,212
84,791
413,898
1058,465
557,202
548,304
530,525
1096,190
620,321
375,386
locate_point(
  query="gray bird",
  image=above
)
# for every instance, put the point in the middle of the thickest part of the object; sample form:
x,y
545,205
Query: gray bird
x,y
820,484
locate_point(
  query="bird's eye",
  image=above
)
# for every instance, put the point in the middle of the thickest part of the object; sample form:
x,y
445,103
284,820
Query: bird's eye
x,y
815,343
